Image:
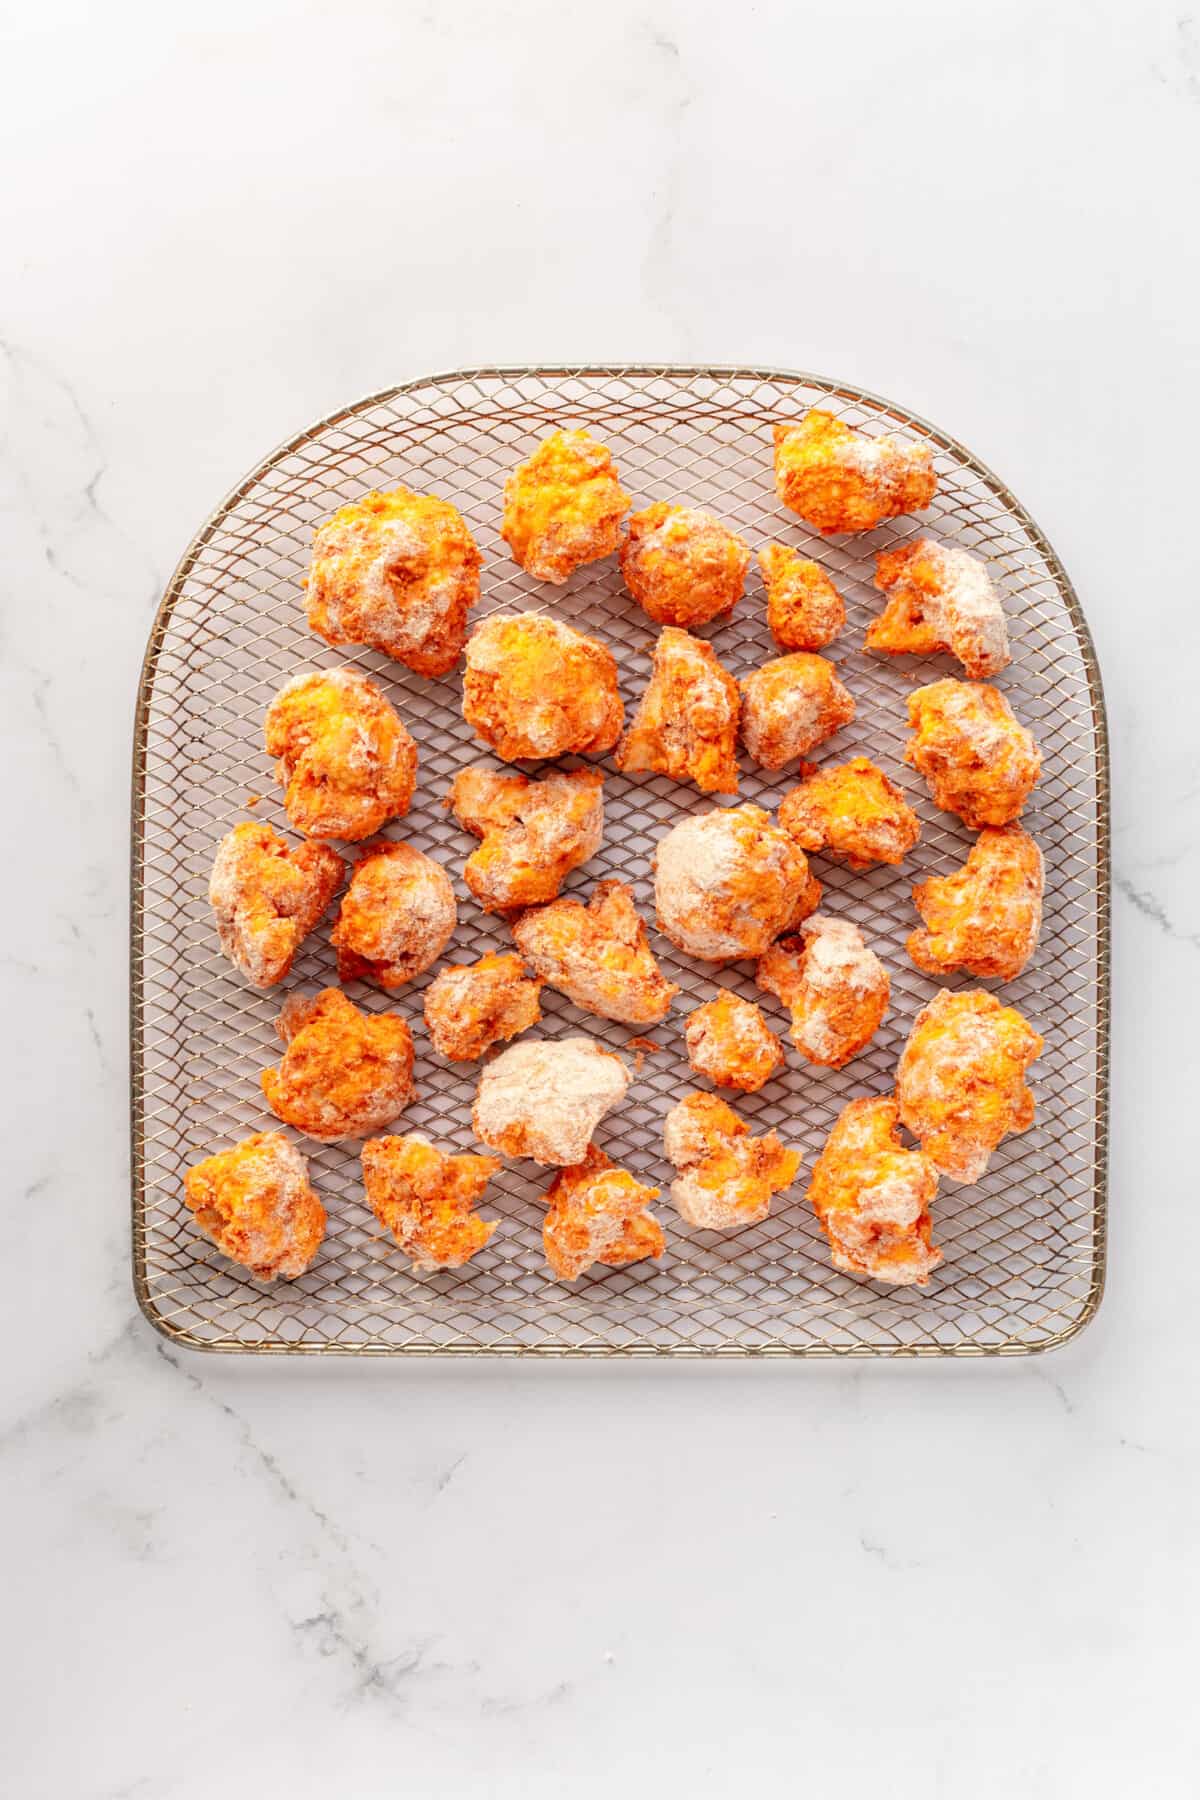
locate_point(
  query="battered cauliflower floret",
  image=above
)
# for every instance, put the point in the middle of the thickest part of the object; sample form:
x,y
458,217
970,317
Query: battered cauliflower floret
x,y
344,1073
791,705
534,831
564,506
682,566
853,812
535,688
940,598
727,1177
545,1098
397,917
687,719
424,1197
470,1007
598,955
598,1215
256,1205
836,989
399,572
727,882
729,1041
872,1197
838,479
985,919
961,1079
346,763
978,761
804,609
267,898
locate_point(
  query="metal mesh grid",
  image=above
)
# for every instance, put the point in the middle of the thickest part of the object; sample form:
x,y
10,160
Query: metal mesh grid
x,y
1024,1249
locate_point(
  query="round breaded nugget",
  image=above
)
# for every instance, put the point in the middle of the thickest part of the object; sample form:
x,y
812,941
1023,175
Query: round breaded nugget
x,y
257,1206
854,813
791,705
940,598
687,719
835,987
727,1178
397,571
804,609
960,1082
682,566
728,881
346,763
597,1214
266,898
345,1073
598,955
729,1041
535,830
469,1007
985,918
425,1197
533,688
564,506
979,762
872,1197
545,1098
397,917
839,479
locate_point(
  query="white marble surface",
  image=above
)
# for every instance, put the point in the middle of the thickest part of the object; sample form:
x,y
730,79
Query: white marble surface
x,y
246,1578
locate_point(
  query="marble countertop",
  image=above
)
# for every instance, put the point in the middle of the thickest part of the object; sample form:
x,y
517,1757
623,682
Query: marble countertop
x,y
244,1577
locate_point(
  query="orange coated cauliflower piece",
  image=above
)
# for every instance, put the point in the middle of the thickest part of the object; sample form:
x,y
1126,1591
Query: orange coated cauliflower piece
x,y
425,1198
344,1073
728,881
872,1197
853,812
687,720
346,763
267,898
535,830
256,1205
598,1214
961,1079
563,507
804,609
598,955
985,918
729,1041
727,1178
397,917
682,566
470,1007
838,479
397,571
979,762
836,989
940,598
535,688
790,705
545,1097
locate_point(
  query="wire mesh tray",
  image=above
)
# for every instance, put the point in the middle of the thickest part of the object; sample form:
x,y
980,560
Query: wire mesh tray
x,y
1024,1250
